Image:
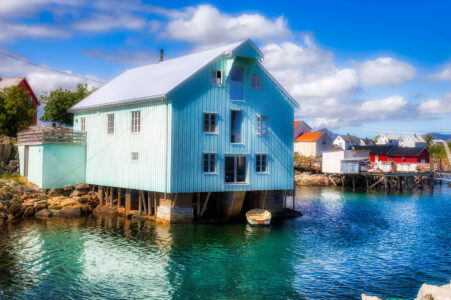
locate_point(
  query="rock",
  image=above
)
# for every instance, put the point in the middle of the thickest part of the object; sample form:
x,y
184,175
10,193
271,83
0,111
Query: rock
x,y
85,209
14,208
428,291
365,297
69,202
40,206
29,212
28,204
54,192
82,186
70,212
30,200
68,188
76,193
105,211
43,213
84,199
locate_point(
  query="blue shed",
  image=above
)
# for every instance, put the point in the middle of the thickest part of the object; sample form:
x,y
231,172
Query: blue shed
x,y
213,124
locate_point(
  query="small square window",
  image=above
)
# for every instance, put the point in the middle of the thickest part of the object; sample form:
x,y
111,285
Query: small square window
x,y
209,163
261,163
209,123
256,82
216,77
135,156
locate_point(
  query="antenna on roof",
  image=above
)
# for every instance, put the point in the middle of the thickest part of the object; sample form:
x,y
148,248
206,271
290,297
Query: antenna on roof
x,y
161,55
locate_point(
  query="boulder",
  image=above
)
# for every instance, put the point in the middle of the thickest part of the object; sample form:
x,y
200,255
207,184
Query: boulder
x,y
82,186
40,206
14,208
85,209
68,188
28,204
43,213
54,192
84,199
105,211
29,212
428,291
76,193
365,297
69,202
70,212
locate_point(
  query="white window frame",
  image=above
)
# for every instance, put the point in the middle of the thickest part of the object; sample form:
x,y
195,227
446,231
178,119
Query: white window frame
x,y
259,163
235,169
136,121
260,129
210,156
209,131
110,124
134,156
214,80
83,124
257,81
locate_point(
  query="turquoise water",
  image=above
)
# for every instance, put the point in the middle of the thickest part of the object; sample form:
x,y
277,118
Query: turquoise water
x,y
345,244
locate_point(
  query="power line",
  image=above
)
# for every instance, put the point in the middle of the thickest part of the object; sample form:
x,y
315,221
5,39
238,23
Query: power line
x,y
48,68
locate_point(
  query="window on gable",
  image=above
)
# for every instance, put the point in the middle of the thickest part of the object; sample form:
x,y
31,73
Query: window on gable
x,y
209,123
256,82
83,123
209,163
262,125
236,83
110,123
216,77
135,156
261,163
136,121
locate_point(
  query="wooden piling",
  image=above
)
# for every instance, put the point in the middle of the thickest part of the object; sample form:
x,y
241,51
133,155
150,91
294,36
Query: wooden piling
x,y
100,194
128,200
139,202
149,204
119,196
111,196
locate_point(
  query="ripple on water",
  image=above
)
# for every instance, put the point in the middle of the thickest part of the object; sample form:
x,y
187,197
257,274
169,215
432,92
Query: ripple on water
x,y
344,245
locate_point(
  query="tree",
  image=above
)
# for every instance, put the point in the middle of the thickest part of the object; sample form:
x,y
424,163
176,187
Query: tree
x,y
57,104
428,139
17,111
376,138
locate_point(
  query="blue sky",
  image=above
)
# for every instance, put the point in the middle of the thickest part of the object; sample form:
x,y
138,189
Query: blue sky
x,y
356,67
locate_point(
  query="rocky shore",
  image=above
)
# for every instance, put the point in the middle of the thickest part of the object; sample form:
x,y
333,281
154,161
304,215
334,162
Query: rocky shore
x,y
309,179
25,201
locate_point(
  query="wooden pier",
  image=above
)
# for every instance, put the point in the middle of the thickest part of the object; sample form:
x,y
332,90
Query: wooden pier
x,y
389,181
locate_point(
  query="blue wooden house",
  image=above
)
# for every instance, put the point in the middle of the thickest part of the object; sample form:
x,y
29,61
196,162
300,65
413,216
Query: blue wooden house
x,y
181,132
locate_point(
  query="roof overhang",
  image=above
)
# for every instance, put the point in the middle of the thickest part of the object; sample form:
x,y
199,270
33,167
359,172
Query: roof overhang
x,y
121,103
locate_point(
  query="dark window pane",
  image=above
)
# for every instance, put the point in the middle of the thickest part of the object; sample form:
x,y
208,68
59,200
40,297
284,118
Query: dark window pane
x,y
229,169
212,163
263,159
236,84
206,122
213,123
236,126
205,162
241,169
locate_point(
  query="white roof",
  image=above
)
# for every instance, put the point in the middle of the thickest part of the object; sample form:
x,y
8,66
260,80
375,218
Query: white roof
x,y
155,81
417,138
390,137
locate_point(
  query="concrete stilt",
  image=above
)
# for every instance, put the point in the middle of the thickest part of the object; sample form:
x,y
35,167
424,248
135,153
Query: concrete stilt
x,y
232,204
176,208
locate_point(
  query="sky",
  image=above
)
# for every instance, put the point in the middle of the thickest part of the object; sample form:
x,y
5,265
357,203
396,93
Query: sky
x,y
358,67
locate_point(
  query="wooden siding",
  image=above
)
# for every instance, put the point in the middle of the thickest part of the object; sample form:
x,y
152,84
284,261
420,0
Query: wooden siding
x,y
189,142
108,159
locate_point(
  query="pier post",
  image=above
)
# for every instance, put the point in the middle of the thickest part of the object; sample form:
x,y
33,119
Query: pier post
x,y
149,204
100,192
139,202
119,196
111,196
128,200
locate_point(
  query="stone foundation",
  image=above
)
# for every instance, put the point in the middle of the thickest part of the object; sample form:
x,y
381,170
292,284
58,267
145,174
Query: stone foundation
x,y
177,208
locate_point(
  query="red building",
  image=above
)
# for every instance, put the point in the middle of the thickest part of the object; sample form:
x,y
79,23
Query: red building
x,y
396,154
6,82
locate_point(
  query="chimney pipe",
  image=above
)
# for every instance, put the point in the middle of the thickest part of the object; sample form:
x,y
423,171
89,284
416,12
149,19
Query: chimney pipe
x,y
161,54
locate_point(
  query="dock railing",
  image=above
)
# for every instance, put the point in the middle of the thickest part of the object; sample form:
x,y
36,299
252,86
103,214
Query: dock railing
x,y
51,136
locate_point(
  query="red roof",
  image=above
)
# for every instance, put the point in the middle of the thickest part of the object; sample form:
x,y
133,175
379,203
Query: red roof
x,y
309,136
296,123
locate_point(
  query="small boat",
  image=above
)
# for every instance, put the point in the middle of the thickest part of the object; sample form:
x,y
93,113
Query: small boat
x,y
258,217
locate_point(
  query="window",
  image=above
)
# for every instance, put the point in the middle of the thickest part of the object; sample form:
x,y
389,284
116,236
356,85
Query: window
x,y
209,123
235,169
256,82
237,127
236,83
209,163
262,125
136,121
110,123
261,163
135,156
216,77
83,124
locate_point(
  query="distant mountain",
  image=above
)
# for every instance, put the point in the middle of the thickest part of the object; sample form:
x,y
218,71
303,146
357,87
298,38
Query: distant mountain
x,y
328,132
440,136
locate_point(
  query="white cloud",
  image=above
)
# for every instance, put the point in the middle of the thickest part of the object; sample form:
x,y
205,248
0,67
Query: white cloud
x,y
443,75
125,57
385,71
105,23
390,104
436,106
205,25
16,31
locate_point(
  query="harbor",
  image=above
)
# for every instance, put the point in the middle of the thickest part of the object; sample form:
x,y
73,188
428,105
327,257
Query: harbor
x,y
346,243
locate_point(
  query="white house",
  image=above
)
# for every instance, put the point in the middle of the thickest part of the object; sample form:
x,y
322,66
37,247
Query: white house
x,y
366,142
413,141
388,139
312,144
332,161
346,141
300,127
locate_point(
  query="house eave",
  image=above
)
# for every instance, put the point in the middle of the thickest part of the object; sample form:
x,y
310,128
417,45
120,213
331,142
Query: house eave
x,y
120,103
